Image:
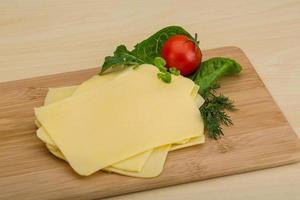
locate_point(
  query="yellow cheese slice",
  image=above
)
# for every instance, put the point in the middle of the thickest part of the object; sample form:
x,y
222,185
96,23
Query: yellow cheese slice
x,y
134,163
199,100
194,92
56,152
173,147
147,171
44,136
97,81
131,164
60,93
191,142
153,166
142,128
57,94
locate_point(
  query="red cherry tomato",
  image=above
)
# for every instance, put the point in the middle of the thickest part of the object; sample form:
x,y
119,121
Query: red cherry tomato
x,y
181,52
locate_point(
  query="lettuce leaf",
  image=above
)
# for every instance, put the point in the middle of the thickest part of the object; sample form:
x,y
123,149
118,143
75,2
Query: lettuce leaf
x,y
212,70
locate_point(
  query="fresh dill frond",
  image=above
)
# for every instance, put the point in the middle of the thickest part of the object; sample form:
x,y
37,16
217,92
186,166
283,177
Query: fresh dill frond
x,y
214,110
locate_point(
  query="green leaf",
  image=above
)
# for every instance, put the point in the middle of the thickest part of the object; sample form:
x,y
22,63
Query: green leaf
x,y
174,71
160,63
213,69
213,111
165,77
163,73
151,47
121,57
143,52
149,51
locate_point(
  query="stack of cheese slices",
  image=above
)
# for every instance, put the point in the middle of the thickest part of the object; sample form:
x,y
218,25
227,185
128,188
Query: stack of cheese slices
x,y
124,122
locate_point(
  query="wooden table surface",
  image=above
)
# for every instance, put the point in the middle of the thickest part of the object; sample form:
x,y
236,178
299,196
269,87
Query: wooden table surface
x,y
52,36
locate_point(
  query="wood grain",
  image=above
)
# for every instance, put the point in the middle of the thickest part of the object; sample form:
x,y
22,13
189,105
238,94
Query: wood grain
x,y
261,138
54,36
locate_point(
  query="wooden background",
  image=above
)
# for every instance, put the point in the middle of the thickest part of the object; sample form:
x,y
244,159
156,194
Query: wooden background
x,y
52,36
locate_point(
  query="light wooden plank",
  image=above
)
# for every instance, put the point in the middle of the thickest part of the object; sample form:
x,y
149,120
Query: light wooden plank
x,y
261,138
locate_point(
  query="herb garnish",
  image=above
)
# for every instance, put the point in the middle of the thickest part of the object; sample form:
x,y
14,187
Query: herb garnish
x,y
213,69
214,113
143,52
215,106
209,72
163,73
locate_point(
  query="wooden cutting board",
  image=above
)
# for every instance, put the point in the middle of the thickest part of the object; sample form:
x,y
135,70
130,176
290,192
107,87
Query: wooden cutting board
x,y
261,138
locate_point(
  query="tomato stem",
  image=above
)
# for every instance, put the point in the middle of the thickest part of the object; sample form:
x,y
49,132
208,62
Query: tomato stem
x,y
195,41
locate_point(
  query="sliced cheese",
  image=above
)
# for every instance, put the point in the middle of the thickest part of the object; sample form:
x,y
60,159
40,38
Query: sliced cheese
x,y
194,92
191,142
56,152
153,166
134,163
97,81
44,136
57,94
199,100
136,117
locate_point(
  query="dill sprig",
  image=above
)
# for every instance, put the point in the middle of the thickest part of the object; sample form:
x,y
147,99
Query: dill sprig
x,y
214,110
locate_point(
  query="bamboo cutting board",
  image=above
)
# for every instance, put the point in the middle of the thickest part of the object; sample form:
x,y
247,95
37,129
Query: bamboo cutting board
x,y
261,138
